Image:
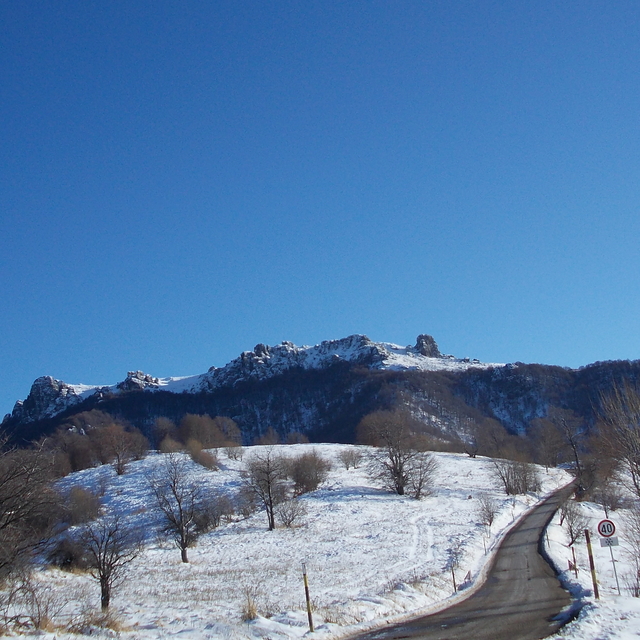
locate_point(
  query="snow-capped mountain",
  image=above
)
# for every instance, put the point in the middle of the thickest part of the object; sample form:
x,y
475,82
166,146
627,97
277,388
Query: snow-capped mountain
x,y
49,397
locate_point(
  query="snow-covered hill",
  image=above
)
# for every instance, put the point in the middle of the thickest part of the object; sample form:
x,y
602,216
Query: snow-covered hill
x,y
370,555
49,397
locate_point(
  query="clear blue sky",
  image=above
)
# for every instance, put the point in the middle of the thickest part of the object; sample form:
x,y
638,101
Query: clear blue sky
x,y
182,180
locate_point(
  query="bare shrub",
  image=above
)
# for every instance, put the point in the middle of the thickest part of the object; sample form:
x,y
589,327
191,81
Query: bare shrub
x,y
295,437
632,529
351,457
251,594
517,477
291,512
212,511
246,503
268,438
574,521
308,471
608,494
82,505
68,554
234,452
487,509
206,459
169,445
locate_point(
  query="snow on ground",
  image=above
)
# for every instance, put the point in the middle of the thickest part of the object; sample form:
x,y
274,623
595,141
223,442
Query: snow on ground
x,y
371,556
613,616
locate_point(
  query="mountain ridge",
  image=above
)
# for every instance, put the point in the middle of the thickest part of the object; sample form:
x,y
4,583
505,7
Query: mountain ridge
x,y
49,396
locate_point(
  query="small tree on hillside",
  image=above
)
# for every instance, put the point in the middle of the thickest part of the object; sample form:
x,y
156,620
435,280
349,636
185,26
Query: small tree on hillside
x,y
396,463
110,546
308,471
177,498
265,476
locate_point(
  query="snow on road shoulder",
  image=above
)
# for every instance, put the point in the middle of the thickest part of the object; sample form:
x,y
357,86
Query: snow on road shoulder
x,y
370,555
613,616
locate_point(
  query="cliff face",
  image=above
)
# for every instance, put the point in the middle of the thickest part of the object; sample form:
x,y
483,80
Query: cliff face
x,y
323,391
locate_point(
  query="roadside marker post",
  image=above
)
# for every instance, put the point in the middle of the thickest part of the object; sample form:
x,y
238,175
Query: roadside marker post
x,y
306,594
592,565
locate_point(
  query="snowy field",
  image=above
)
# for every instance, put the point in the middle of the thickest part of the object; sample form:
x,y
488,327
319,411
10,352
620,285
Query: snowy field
x,y
613,616
371,556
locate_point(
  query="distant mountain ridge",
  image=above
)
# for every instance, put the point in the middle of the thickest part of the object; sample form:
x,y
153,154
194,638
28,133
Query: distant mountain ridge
x,y
49,397
323,391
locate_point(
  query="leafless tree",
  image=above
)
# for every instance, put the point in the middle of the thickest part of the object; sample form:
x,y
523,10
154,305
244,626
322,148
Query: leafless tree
x,y
290,512
118,446
177,498
110,546
395,462
516,477
620,429
28,505
265,476
487,509
351,457
574,520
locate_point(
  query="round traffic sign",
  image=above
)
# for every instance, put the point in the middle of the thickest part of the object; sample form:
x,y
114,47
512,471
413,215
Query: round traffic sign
x,y
606,528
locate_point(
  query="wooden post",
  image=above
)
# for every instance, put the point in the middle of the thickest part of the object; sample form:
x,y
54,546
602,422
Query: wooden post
x,y
306,595
453,575
596,593
575,562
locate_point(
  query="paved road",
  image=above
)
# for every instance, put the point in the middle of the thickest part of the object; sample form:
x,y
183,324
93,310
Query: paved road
x,y
520,600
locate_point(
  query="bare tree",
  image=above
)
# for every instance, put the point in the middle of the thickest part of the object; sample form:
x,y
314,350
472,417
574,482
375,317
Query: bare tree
x,y
487,509
422,470
395,463
516,477
574,520
177,498
351,457
118,446
265,475
290,512
110,546
28,505
620,429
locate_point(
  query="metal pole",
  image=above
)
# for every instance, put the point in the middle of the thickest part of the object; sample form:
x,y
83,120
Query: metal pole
x,y
615,573
596,593
306,594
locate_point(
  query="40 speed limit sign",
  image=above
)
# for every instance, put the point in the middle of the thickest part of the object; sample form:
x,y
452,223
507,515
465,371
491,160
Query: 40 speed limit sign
x,y
606,528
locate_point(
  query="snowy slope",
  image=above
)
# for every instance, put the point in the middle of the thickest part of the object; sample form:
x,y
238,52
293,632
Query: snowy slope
x,y
371,555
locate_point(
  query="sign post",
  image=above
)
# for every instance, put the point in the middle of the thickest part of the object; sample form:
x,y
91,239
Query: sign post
x,y
592,565
606,529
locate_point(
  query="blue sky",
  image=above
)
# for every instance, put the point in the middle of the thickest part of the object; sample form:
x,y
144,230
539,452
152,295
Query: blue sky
x,y
180,181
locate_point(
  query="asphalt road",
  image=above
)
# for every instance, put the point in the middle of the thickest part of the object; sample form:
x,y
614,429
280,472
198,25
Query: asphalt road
x,y
520,600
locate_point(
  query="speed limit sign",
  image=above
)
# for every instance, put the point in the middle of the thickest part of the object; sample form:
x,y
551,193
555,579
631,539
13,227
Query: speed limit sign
x,y
606,528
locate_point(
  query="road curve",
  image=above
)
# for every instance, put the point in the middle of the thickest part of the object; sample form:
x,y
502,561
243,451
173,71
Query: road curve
x,y
520,600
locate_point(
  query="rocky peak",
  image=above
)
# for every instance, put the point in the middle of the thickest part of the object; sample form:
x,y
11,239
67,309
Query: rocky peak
x,y
136,380
426,346
47,397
